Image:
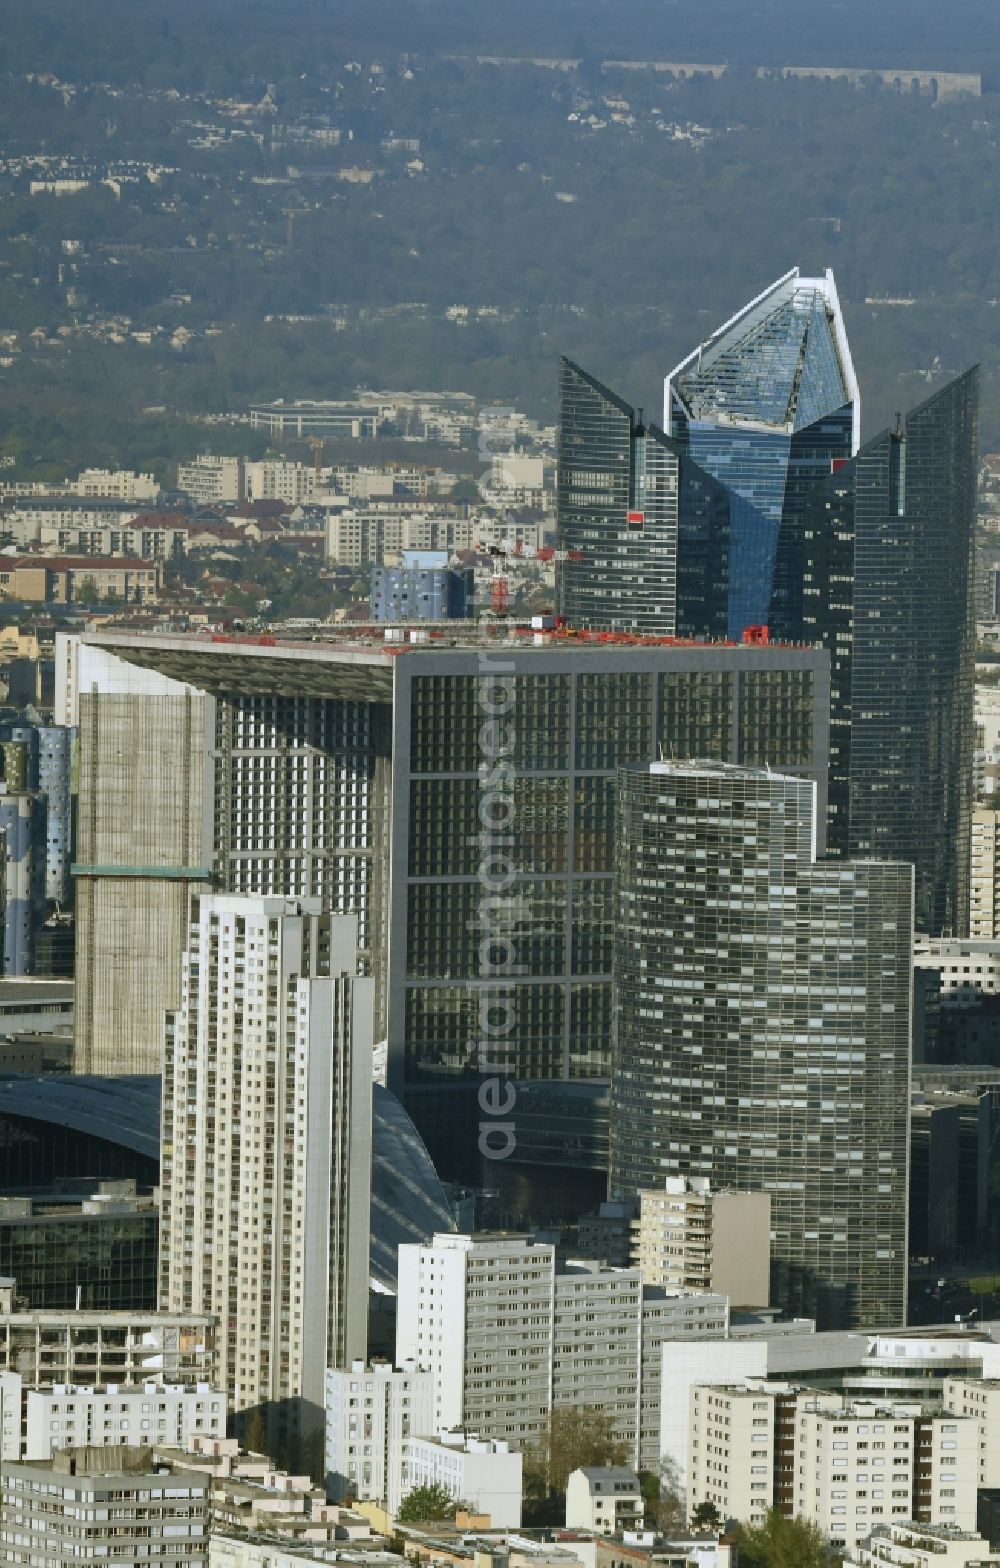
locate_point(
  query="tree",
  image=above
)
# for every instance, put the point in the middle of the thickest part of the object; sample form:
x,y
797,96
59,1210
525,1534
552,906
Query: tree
x,y
706,1517
255,1433
663,1497
781,1542
425,1502
578,1435
313,1456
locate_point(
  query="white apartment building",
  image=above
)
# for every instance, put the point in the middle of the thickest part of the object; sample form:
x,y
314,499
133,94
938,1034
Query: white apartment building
x,y
909,1545
272,479
371,1413
980,1399
732,1450
46,516
606,1500
68,1416
968,967
869,1464
371,537
266,1171
208,479
911,1366
984,883
482,1473
670,1316
597,1323
120,483
690,1237
46,1347
142,538
507,1338
57,1511
847,1467
477,1313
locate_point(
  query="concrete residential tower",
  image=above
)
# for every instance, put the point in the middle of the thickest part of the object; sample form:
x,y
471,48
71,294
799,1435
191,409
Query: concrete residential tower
x,y
266,1174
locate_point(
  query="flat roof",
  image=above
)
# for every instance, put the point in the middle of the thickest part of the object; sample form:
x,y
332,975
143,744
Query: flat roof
x,y
27,993
358,664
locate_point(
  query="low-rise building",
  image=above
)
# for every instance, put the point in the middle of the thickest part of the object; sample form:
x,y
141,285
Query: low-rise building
x,y
482,1474
909,1545
73,1416
72,579
94,1504
252,1499
606,1500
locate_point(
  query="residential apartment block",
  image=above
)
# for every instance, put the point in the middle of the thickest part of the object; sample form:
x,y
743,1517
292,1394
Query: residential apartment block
x,y
481,1473
371,1413
984,881
687,1236
848,1467
78,1346
96,1504
266,1167
37,1421
508,1338
910,1545
979,1398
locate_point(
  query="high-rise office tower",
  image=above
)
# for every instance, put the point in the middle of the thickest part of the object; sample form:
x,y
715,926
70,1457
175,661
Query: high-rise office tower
x,y
914,650
767,405
651,527
887,572
762,1025
868,552
266,1165
357,773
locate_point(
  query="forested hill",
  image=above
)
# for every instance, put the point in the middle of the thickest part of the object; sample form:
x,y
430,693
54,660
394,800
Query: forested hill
x,y
207,204
219,44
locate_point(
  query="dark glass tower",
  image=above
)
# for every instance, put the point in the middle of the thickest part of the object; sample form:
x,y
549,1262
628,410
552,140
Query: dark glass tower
x,y
651,527
887,587
767,405
913,654
761,1025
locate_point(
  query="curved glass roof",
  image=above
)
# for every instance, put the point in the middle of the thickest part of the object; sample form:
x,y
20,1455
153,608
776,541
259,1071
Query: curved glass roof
x,y
408,1201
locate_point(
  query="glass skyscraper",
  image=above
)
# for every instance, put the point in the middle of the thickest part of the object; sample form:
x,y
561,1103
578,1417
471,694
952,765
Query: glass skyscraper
x,y
650,526
887,573
761,1016
767,405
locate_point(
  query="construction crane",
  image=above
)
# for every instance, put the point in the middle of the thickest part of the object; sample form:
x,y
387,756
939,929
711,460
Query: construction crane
x,y
316,442
513,550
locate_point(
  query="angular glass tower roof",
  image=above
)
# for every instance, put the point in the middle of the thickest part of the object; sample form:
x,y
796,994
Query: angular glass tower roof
x,y
767,405
779,364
